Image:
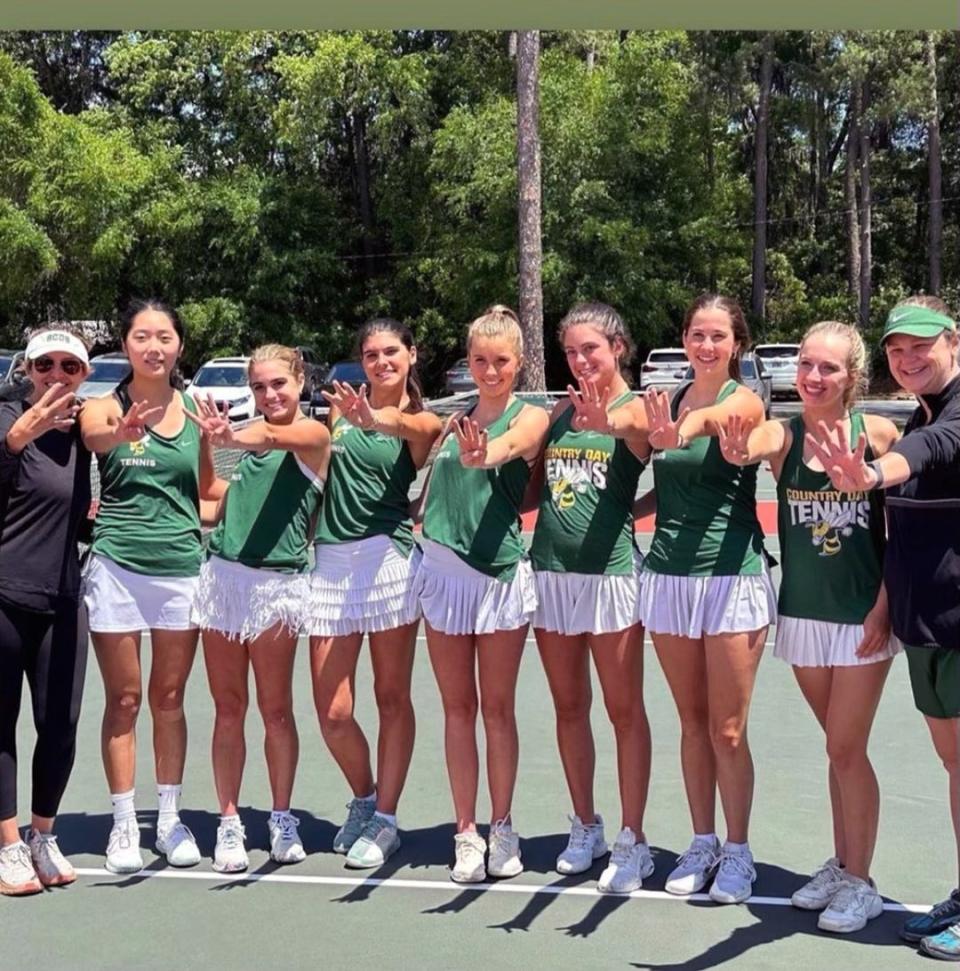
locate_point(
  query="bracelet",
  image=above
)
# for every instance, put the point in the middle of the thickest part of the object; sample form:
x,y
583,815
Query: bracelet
x,y
681,441
878,472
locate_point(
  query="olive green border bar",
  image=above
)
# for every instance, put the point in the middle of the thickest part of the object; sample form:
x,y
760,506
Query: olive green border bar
x,y
487,14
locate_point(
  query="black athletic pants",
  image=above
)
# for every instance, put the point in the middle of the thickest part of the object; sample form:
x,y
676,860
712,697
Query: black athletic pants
x,y
51,650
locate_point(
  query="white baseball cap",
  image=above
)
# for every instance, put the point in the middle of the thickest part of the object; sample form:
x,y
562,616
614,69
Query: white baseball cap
x,y
56,340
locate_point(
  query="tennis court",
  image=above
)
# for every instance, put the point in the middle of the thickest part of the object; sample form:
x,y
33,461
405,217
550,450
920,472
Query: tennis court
x,y
410,914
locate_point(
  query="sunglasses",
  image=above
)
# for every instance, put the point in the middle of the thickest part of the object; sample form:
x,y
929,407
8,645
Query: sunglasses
x,y
43,364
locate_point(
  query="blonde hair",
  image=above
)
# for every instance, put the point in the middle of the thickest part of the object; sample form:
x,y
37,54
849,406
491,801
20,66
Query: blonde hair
x,y
604,319
277,352
498,321
856,363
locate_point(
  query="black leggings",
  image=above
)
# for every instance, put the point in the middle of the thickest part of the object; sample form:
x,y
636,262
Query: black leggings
x,y
51,649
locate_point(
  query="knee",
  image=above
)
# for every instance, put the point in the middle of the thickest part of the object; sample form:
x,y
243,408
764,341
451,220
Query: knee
x,y
336,720
498,713
393,703
843,753
572,708
695,724
462,708
624,715
167,703
231,709
727,737
123,706
277,719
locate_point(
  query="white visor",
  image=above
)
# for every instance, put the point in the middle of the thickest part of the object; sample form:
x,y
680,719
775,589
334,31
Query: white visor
x,y
56,340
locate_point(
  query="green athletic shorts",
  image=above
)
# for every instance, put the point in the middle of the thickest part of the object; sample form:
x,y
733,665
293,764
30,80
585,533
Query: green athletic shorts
x,y
935,679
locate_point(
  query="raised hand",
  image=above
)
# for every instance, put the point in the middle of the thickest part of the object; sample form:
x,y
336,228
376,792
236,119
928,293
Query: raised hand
x,y
472,440
133,425
733,437
590,406
846,467
213,422
664,431
353,405
52,410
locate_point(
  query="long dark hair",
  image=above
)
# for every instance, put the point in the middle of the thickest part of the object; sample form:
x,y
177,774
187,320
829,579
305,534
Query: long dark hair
x,y
741,332
605,320
138,306
403,333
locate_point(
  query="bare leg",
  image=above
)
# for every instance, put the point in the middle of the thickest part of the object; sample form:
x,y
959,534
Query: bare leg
x,y
118,656
173,653
945,733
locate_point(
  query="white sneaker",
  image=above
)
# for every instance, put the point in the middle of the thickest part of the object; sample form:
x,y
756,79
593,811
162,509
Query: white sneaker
x,y
123,847
585,845
17,875
734,880
504,851
469,849
53,868
852,906
285,845
818,891
360,812
230,855
694,867
178,845
630,862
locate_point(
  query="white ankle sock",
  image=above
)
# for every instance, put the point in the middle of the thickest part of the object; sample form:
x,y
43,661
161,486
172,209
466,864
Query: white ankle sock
x,y
123,807
736,847
712,837
387,817
168,799
371,798
233,818
277,814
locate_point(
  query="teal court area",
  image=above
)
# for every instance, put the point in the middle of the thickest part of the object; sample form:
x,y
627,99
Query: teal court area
x,y
408,914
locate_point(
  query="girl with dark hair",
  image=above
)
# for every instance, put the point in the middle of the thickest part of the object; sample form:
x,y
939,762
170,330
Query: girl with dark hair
x,y
155,473
585,562
706,594
44,498
363,581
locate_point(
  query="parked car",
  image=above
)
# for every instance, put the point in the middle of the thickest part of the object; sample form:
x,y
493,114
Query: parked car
x,y
459,378
106,372
780,360
225,378
9,362
313,371
664,368
349,372
753,375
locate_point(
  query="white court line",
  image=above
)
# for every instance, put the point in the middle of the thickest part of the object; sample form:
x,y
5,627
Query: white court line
x,y
396,883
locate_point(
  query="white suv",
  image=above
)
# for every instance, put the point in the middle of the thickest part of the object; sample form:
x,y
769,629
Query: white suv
x,y
780,361
225,378
664,368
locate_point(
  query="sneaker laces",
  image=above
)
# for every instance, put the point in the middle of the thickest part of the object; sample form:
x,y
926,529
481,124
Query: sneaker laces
x,y
737,862
374,829
700,854
356,813
943,908
177,833
828,873
622,851
465,845
287,823
851,896
230,836
500,832
18,855
580,836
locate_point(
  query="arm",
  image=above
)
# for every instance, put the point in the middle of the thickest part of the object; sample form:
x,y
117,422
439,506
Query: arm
x,y
524,438
876,626
103,426
849,472
742,444
743,404
52,410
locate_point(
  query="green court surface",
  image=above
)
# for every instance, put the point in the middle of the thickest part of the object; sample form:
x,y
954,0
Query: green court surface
x,y
408,914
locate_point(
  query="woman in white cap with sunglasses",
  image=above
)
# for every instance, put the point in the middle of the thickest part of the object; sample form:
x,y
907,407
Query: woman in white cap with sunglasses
x,y
44,499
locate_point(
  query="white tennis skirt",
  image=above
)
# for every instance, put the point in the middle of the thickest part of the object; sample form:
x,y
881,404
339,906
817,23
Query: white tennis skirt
x,y
361,587
242,601
809,643
587,603
693,606
120,600
457,599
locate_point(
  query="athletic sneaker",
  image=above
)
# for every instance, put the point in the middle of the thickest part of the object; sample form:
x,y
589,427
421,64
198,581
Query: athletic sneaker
x,y
504,851
585,845
694,867
285,845
123,847
360,813
178,845
854,903
818,891
943,915
230,854
735,875
53,868
630,862
17,875
469,849
376,844
945,945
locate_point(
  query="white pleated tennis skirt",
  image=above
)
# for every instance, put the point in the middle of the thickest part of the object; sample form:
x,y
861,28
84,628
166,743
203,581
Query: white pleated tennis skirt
x,y
457,599
364,586
242,601
693,606
808,643
587,603
120,600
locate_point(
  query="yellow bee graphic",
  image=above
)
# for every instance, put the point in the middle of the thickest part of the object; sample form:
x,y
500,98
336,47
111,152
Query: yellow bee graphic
x,y
339,431
138,448
564,491
826,533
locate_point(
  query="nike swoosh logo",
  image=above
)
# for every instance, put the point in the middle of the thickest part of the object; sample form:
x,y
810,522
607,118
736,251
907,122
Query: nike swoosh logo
x,y
898,317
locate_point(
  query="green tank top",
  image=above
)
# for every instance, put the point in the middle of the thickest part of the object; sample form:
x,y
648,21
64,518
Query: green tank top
x,y
368,488
585,521
831,543
149,516
268,512
476,512
706,509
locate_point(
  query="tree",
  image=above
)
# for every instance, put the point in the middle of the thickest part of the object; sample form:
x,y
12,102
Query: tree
x,y
533,376
935,174
758,294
